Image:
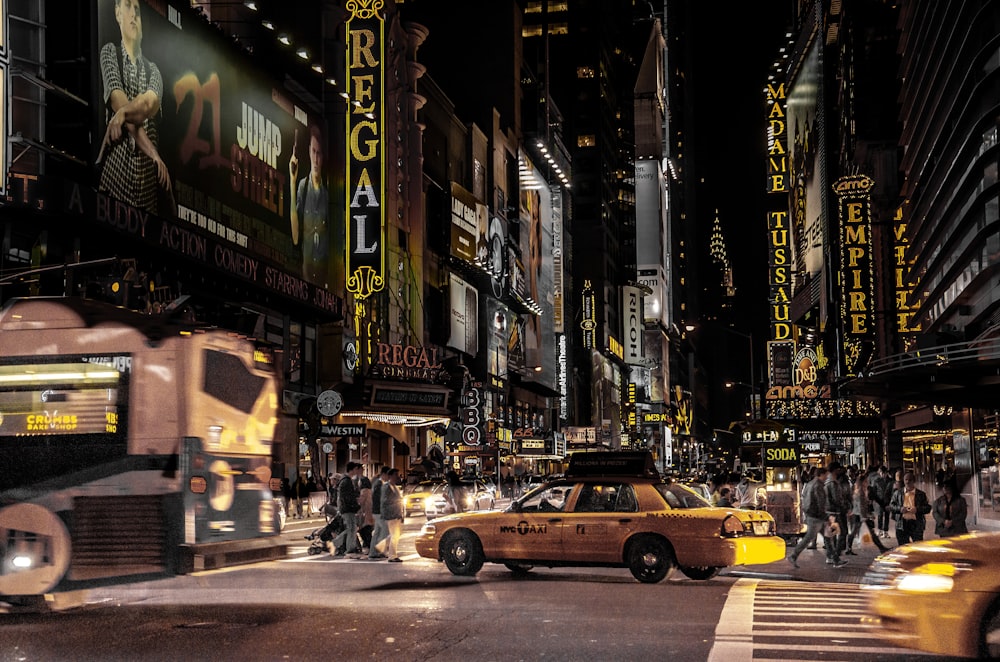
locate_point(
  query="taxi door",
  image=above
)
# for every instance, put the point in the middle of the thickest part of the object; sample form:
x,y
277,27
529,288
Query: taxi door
x,y
536,531
604,515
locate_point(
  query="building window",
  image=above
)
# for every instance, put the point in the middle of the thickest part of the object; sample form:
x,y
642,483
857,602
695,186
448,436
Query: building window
x,y
558,6
559,28
531,31
533,8
586,140
584,72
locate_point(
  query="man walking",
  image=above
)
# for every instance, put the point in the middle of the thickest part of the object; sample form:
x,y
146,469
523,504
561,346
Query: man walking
x,y
379,532
349,506
814,509
392,513
837,505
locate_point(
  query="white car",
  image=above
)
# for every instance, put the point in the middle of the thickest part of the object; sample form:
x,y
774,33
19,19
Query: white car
x,y
475,496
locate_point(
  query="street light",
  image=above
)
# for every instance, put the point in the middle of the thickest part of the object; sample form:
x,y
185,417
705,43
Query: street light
x,y
753,389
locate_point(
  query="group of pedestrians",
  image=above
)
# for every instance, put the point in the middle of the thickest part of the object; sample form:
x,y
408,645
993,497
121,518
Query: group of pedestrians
x,y
836,507
372,514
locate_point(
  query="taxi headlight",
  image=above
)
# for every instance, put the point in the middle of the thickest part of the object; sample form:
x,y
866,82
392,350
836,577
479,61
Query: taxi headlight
x,y
21,562
732,527
931,578
428,529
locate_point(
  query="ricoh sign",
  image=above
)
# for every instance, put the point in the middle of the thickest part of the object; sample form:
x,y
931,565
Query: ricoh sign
x,y
632,322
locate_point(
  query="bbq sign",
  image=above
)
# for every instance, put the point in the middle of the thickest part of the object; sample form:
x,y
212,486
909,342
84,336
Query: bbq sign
x,y
365,164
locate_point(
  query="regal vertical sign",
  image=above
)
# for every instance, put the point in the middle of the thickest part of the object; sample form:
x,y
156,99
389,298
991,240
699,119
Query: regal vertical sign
x,y
365,163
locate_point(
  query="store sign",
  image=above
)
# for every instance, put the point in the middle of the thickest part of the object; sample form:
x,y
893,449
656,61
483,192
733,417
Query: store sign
x,y
365,167
343,431
781,455
472,415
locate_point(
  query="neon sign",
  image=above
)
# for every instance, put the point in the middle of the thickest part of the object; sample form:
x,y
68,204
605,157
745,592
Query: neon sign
x,y
365,164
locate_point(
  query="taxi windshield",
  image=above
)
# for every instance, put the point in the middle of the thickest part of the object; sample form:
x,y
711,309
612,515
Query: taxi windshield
x,y
681,496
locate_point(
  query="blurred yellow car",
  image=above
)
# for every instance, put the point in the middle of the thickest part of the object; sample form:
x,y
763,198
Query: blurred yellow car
x,y
613,510
416,495
941,595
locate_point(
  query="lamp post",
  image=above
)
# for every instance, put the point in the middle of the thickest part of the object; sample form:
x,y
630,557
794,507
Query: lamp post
x,y
753,389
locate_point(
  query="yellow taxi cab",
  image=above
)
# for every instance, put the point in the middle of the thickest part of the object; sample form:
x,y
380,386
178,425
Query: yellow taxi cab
x,y
940,596
416,496
610,509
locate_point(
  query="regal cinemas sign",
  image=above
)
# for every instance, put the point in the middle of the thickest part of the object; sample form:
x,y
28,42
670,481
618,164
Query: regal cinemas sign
x,y
365,167
408,363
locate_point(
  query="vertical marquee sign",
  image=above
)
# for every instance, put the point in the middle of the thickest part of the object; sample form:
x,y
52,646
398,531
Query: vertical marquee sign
x,y
779,254
777,140
589,323
857,294
365,164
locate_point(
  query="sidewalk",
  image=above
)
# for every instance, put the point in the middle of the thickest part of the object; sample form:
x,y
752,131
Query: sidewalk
x,y
813,566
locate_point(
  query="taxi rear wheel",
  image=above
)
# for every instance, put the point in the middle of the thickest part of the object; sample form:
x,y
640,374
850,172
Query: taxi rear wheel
x,y
699,572
650,559
462,553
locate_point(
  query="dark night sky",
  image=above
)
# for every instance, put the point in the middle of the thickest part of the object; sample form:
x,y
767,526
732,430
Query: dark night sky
x,y
736,45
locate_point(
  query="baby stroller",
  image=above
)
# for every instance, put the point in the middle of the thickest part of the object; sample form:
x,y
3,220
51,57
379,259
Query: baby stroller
x,y
323,535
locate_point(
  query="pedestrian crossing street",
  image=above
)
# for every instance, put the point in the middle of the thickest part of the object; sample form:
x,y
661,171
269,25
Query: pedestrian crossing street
x,y
299,553
788,620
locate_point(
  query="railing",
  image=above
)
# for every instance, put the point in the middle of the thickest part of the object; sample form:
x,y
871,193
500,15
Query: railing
x,y
954,354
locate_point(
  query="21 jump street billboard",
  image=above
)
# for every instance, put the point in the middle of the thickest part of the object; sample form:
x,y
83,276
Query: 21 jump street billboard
x,y
228,151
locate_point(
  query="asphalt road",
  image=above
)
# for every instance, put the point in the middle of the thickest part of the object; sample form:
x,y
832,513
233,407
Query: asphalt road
x,y
320,608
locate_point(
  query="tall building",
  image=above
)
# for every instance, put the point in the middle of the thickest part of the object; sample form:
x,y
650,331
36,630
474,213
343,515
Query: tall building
x,y
935,367
579,51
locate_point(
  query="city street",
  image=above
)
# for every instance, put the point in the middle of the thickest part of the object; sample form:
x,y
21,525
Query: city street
x,y
317,607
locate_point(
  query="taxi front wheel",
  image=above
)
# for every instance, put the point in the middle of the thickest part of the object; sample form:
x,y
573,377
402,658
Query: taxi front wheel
x,y
462,553
650,559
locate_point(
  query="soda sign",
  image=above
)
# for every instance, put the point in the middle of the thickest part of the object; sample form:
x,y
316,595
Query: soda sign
x,y
781,455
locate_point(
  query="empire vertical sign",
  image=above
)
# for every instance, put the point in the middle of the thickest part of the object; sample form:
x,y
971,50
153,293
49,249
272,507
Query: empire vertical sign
x,y
857,311
365,164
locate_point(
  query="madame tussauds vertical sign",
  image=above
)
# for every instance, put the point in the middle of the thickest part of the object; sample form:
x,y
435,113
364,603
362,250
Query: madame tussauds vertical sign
x,y
365,163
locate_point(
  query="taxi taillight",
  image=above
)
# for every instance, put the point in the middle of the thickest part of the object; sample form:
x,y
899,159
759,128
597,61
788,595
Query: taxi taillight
x,y
732,527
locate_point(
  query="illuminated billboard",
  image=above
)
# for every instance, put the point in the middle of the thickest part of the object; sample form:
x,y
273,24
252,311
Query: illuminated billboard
x,y
806,155
464,317
187,132
537,287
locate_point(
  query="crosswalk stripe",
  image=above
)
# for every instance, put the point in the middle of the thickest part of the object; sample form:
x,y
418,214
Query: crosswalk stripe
x,y
781,620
